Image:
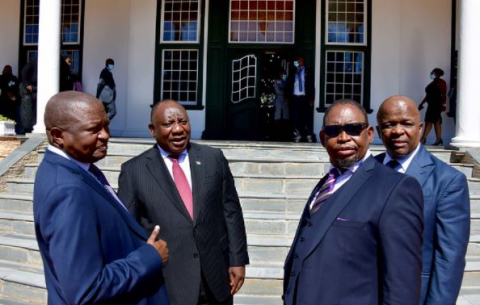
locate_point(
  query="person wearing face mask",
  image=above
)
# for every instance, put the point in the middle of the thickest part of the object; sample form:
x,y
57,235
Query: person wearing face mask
x,y
300,95
106,90
436,98
282,113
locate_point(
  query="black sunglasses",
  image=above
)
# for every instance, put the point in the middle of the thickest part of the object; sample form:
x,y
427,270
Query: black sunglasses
x,y
352,129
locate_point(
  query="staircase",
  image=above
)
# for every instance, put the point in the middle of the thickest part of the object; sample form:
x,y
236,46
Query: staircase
x,y
273,181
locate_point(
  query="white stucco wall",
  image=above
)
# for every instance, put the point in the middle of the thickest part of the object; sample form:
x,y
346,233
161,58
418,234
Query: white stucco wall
x,y
9,34
409,39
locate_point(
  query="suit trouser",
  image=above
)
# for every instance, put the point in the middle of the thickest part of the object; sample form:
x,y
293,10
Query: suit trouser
x,y
206,296
299,113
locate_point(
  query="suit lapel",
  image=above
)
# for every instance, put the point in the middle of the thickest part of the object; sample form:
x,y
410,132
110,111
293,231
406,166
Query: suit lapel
x,y
157,168
341,198
197,170
93,183
421,166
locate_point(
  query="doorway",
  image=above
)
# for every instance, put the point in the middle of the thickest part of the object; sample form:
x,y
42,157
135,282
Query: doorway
x,y
250,92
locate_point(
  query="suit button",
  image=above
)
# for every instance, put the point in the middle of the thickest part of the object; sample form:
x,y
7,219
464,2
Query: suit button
x,y
302,239
295,256
309,224
293,273
288,291
195,255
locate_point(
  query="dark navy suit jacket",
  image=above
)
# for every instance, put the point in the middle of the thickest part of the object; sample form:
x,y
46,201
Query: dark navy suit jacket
x,y
447,227
93,251
363,246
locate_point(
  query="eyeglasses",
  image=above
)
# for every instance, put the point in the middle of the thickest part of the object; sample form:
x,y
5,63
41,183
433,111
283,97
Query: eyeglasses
x,y
352,129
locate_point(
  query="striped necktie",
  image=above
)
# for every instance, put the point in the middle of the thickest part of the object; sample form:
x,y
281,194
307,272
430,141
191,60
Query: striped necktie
x,y
326,190
182,185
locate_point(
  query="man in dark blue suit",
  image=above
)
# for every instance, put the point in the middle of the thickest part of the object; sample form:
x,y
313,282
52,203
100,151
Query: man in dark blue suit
x,y
446,200
360,236
93,251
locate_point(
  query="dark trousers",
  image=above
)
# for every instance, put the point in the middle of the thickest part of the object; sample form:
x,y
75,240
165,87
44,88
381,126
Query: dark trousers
x,y
300,113
206,296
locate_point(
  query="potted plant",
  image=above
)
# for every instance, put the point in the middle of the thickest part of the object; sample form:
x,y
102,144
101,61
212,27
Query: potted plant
x,y
7,126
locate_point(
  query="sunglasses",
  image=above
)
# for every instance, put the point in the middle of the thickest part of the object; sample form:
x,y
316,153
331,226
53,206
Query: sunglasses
x,y
352,129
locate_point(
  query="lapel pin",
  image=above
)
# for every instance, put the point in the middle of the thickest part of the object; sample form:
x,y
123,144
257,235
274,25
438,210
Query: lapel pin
x,y
198,162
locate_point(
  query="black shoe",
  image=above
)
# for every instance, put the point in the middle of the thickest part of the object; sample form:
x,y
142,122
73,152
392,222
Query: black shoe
x,y
438,142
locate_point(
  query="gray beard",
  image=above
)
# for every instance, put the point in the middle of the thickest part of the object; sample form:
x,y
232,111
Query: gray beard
x,y
346,164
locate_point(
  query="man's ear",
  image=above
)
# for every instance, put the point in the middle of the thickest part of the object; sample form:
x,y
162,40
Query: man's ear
x,y
322,137
56,136
152,129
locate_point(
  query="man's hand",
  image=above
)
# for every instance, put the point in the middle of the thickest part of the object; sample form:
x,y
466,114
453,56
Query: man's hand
x,y
159,245
29,88
237,277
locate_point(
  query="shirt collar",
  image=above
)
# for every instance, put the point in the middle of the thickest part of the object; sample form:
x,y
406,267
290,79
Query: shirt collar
x,y
165,154
405,161
60,152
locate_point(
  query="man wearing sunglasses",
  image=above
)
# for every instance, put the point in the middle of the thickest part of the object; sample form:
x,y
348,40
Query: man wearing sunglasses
x,y
447,208
359,240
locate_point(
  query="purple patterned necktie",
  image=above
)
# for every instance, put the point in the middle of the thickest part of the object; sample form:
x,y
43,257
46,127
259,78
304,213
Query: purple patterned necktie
x,y
182,185
325,191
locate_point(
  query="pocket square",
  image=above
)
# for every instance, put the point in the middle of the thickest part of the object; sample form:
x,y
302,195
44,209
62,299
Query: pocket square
x,y
198,162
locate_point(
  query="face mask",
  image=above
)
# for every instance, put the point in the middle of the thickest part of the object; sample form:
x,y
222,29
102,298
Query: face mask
x,y
432,75
295,63
110,67
284,77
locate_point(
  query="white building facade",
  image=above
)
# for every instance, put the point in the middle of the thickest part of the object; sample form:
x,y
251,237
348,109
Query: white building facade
x,y
361,49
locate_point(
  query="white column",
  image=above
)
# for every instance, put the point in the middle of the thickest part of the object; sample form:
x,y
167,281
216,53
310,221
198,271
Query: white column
x,y
468,100
48,57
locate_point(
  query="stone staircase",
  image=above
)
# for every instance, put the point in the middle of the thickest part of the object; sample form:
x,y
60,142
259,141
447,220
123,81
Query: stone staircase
x,y
273,181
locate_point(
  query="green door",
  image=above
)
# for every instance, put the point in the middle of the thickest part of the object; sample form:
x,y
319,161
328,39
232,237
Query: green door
x,y
250,92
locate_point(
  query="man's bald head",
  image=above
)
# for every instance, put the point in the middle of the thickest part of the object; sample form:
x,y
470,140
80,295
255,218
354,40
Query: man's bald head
x,y
398,101
399,126
76,123
64,109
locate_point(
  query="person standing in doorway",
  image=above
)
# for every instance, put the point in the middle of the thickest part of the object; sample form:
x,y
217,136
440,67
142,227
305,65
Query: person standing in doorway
x,y
300,95
106,89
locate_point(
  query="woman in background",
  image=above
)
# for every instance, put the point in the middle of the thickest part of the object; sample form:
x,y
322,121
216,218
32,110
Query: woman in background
x,y
436,98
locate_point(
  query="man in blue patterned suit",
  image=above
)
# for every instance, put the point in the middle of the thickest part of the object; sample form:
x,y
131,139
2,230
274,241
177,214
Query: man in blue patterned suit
x,y
446,200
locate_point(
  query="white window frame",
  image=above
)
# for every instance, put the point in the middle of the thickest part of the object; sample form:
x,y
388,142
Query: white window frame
x,y
189,103
162,23
365,30
259,42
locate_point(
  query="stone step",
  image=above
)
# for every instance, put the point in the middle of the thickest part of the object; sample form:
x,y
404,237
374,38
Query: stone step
x,y
244,299
465,168
21,203
20,284
18,223
255,184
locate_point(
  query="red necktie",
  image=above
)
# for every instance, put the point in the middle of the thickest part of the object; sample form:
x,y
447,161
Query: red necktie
x,y
325,191
182,185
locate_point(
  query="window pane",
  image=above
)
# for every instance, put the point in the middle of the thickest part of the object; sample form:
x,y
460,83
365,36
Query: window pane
x,y
346,21
180,20
262,21
244,78
70,29
344,76
180,77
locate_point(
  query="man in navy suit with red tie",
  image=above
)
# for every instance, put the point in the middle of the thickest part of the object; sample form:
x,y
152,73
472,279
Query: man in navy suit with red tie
x,y
93,250
359,240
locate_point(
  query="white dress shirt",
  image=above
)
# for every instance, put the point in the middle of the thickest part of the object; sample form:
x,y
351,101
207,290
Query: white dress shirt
x,y
183,161
403,162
